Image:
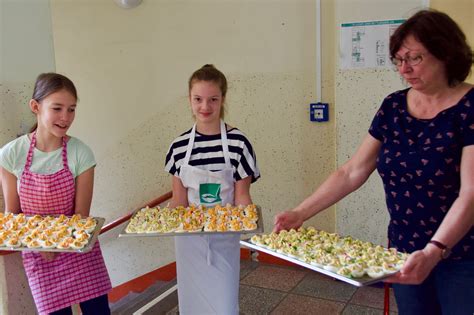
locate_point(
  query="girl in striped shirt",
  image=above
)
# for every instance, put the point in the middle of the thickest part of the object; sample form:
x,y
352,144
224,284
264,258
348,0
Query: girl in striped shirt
x,y
212,163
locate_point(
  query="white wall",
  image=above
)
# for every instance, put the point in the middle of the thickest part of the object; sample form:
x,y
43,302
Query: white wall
x,y
26,50
27,43
359,94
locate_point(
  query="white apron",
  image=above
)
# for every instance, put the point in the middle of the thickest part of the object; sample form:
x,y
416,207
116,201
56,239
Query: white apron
x,y
208,266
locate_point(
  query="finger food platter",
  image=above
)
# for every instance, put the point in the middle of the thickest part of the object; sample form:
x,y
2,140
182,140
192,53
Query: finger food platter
x,y
194,220
343,258
62,234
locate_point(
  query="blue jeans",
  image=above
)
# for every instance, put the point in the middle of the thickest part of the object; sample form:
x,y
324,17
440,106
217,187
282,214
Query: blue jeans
x,y
449,290
95,306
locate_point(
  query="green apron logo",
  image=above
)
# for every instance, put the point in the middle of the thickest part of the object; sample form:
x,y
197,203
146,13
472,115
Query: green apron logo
x,y
210,193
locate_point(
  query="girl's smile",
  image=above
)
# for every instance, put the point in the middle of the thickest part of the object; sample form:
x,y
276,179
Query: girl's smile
x,y
55,114
206,102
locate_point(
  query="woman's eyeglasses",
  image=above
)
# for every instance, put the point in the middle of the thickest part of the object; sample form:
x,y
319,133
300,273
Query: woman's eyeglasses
x,y
409,60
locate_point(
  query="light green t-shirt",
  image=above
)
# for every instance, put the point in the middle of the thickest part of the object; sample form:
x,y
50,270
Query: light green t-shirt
x,y
13,157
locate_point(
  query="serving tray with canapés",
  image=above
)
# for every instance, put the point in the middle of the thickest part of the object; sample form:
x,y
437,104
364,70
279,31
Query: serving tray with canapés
x,y
347,259
164,221
73,234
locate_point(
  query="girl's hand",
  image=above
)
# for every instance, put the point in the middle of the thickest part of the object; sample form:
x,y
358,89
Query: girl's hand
x,y
48,256
286,220
417,267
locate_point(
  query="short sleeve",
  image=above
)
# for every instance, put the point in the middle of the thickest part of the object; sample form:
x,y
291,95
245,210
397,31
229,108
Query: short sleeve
x,y
247,163
384,118
85,158
374,129
468,123
5,161
9,158
170,163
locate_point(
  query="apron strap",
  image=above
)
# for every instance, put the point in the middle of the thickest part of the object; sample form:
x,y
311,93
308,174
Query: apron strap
x,y
225,146
64,154
29,157
190,145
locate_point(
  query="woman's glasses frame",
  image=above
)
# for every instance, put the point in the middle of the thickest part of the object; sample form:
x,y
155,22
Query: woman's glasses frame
x,y
409,60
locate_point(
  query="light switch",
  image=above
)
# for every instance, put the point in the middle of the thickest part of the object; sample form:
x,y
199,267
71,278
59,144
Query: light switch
x,y
319,112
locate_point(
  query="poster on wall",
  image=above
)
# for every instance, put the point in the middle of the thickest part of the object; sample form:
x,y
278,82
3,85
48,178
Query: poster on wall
x,y
366,44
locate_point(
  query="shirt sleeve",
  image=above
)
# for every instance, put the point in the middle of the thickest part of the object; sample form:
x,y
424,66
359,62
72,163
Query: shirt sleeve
x,y
8,158
247,164
375,129
170,163
468,125
85,158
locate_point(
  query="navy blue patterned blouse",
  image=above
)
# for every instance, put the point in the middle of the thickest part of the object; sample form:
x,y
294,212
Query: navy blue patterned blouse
x,y
419,163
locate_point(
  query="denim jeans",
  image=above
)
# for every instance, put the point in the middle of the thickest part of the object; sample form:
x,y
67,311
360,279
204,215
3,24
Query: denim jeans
x,y
96,306
448,290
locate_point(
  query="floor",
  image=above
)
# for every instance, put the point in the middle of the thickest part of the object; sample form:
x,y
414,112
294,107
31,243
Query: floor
x,y
271,289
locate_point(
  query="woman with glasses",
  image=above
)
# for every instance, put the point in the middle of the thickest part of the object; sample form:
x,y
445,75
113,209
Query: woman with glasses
x,y
421,141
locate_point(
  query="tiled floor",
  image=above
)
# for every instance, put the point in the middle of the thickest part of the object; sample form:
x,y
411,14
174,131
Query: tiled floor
x,y
270,289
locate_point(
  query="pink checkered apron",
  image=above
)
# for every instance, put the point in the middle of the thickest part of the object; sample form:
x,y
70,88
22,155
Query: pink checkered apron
x,y
70,278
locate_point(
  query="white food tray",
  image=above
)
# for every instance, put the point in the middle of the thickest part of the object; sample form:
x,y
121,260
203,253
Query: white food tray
x,y
85,249
259,229
359,282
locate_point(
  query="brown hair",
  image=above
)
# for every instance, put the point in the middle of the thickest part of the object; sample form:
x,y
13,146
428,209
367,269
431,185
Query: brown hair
x,y
49,83
210,73
442,37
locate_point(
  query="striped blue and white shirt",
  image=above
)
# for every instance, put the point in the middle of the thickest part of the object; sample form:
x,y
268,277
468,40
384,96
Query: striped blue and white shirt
x,y
207,154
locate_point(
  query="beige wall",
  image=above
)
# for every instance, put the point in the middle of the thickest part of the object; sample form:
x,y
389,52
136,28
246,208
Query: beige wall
x,y
26,49
462,11
131,68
